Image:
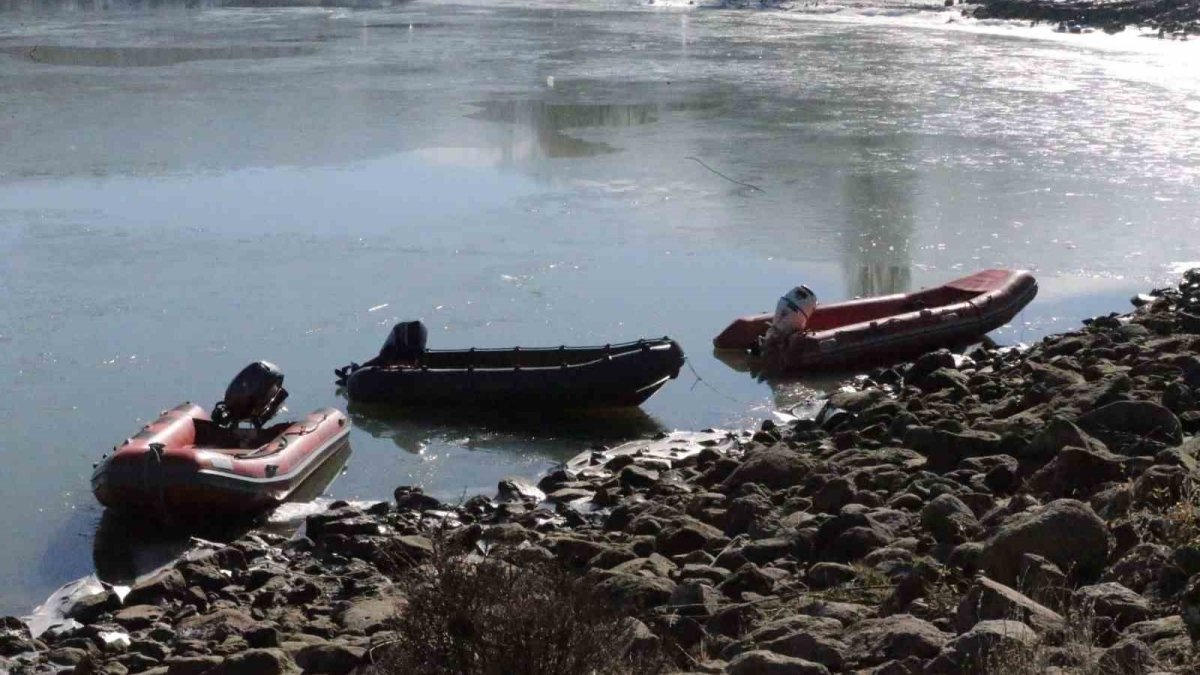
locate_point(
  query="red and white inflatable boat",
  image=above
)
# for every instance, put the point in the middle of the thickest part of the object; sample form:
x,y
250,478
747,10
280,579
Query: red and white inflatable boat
x,y
889,328
187,464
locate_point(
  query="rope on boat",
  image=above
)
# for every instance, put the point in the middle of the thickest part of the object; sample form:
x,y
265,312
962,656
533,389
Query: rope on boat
x,y
701,380
731,180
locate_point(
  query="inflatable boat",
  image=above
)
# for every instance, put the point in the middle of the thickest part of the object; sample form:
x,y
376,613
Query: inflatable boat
x,y
616,375
189,464
888,328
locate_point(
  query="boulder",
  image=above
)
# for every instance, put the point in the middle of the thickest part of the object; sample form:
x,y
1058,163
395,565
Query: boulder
x,y
762,662
991,600
985,644
1066,532
137,617
368,615
685,534
330,658
1135,419
636,592
157,588
775,467
1114,604
1058,434
874,641
946,449
256,662
1077,472
949,520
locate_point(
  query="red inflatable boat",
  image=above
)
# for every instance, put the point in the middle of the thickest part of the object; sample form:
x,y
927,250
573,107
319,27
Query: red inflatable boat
x,y
892,327
187,464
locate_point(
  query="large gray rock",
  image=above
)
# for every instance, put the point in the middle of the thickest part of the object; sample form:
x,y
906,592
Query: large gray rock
x,y
1066,532
157,588
256,662
992,600
636,592
949,520
1077,472
775,467
330,658
946,449
1058,434
979,649
874,641
1138,419
1114,602
762,662
685,534
805,637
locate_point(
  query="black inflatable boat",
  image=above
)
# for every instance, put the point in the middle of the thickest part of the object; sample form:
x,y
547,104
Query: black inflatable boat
x,y
616,375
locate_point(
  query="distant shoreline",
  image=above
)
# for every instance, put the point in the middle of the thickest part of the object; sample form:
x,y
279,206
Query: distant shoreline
x,y
1170,17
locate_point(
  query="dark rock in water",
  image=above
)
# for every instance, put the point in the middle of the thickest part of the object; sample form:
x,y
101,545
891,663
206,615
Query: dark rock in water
x,y
1066,532
874,641
515,489
414,498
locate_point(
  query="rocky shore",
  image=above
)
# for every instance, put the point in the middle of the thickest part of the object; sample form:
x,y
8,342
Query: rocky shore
x,y
996,511
1170,17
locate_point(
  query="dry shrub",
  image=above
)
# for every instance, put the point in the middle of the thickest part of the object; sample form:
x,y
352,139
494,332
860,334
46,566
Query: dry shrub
x,y
473,615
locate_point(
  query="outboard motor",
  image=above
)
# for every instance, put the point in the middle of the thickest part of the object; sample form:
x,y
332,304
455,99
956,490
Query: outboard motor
x,y
254,396
406,342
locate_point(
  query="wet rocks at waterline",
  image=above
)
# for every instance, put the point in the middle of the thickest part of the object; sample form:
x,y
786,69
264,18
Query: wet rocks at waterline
x,y
1005,510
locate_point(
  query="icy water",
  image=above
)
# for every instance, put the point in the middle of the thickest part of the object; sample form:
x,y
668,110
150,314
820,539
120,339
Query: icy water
x,y
183,191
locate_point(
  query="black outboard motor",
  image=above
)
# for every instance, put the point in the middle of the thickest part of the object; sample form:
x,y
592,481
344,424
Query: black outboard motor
x,y
405,343
254,396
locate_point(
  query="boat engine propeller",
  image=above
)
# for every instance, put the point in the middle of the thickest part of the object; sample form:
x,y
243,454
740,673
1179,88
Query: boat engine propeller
x,y
254,396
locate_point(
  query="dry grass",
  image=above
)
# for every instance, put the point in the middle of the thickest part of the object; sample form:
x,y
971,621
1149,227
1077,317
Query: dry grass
x,y
472,615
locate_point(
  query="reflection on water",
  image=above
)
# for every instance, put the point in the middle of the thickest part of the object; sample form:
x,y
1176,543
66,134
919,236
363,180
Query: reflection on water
x,y
126,547
786,392
879,227
517,431
145,57
545,122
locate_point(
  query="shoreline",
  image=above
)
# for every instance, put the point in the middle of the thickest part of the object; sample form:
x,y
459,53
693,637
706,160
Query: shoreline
x,y
1023,509
1169,17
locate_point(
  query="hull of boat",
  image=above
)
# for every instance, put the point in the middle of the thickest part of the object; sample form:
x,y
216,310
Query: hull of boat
x,y
163,474
891,328
621,375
